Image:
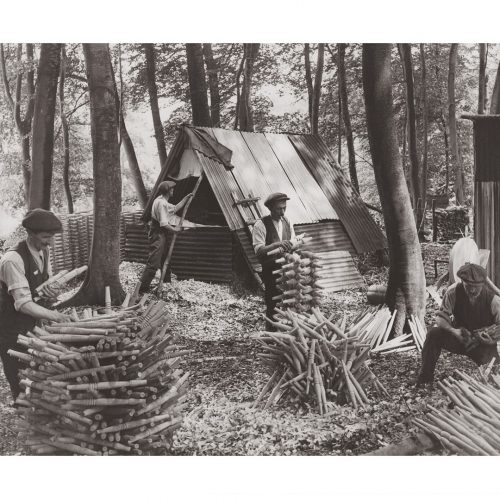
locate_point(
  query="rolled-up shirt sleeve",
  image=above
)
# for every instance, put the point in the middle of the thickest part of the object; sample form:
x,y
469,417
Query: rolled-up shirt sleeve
x,y
12,274
448,304
495,309
258,235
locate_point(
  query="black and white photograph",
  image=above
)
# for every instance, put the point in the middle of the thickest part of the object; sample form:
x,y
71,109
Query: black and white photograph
x,y
279,246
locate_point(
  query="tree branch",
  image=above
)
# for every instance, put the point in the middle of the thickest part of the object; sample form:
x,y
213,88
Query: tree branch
x,y
6,86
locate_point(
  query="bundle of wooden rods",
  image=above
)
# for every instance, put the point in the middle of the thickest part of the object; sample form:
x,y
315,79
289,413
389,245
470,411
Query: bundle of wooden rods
x,y
315,359
61,278
472,427
298,281
103,385
374,325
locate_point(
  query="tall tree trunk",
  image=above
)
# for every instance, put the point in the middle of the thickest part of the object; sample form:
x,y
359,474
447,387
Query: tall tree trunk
x,y
245,113
339,127
458,187
495,96
317,88
309,82
197,85
344,100
415,173
105,252
481,102
65,132
213,83
444,129
43,125
23,125
149,50
406,285
425,119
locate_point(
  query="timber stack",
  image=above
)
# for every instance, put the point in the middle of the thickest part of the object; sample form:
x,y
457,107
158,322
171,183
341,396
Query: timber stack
x,y
316,360
472,426
102,385
298,281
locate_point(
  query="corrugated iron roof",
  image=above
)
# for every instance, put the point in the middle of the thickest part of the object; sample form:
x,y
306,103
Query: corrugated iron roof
x,y
364,233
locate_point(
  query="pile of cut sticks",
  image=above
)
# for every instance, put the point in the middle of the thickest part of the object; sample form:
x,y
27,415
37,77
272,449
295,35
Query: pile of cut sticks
x,y
61,278
104,384
315,359
472,427
374,325
298,281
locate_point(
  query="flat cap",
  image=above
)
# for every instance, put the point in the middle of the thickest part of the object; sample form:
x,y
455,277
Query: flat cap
x,y
39,220
275,197
472,273
164,186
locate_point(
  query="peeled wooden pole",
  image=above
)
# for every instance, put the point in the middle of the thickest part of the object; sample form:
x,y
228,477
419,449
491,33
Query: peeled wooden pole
x,y
174,237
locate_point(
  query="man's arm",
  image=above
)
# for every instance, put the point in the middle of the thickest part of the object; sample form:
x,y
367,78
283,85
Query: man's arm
x,y
495,309
259,241
181,203
443,317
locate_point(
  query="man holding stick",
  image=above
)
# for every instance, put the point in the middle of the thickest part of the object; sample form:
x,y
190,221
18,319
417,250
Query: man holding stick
x,y
163,221
23,268
274,231
467,306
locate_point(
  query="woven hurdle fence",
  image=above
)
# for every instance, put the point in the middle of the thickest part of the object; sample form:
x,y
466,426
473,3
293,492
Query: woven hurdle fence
x,y
71,248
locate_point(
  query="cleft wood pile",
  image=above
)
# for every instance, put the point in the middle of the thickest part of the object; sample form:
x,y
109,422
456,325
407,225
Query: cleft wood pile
x,y
472,427
298,281
103,385
317,360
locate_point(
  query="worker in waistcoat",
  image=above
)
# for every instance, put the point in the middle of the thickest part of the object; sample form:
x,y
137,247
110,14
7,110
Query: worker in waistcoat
x,y
467,305
163,221
272,231
22,269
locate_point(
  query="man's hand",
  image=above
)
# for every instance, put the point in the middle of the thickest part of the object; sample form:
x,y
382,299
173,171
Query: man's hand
x,y
50,291
59,317
464,336
286,245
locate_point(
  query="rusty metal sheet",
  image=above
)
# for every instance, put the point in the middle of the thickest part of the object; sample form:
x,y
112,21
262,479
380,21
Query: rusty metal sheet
x,y
306,187
203,254
276,177
364,233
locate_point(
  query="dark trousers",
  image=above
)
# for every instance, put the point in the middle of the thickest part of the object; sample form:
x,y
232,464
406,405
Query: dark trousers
x,y
271,290
158,250
437,339
11,365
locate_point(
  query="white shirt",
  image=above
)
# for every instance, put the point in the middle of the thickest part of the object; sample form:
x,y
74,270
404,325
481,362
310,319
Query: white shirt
x,y
259,232
12,273
165,213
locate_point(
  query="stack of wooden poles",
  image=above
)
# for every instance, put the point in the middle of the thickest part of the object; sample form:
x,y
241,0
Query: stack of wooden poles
x,y
104,384
472,427
317,360
298,281
374,325
62,277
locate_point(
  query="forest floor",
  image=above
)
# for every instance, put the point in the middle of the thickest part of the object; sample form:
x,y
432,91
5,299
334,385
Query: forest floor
x,y
216,323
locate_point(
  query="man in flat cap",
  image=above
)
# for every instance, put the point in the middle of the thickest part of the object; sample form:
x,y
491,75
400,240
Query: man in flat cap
x,y
270,232
467,305
163,221
22,269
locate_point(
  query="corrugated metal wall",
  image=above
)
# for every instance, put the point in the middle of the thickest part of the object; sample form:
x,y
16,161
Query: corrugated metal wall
x,y
361,228
204,254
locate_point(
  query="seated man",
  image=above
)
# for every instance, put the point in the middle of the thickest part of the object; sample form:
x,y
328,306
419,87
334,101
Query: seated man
x,y
468,305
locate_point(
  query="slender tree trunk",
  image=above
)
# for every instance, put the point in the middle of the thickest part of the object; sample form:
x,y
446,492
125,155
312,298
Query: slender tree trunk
x,y
346,115
425,120
481,104
245,105
65,132
339,127
23,126
317,88
105,251
406,285
213,83
447,153
309,82
43,125
458,187
495,96
197,85
149,50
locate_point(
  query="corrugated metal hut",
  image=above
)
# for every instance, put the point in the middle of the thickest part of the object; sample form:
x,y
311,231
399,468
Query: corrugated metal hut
x,y
240,170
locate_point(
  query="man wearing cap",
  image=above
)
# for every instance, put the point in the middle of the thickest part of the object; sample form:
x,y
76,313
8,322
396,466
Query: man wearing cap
x,y
467,305
163,221
22,269
270,232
